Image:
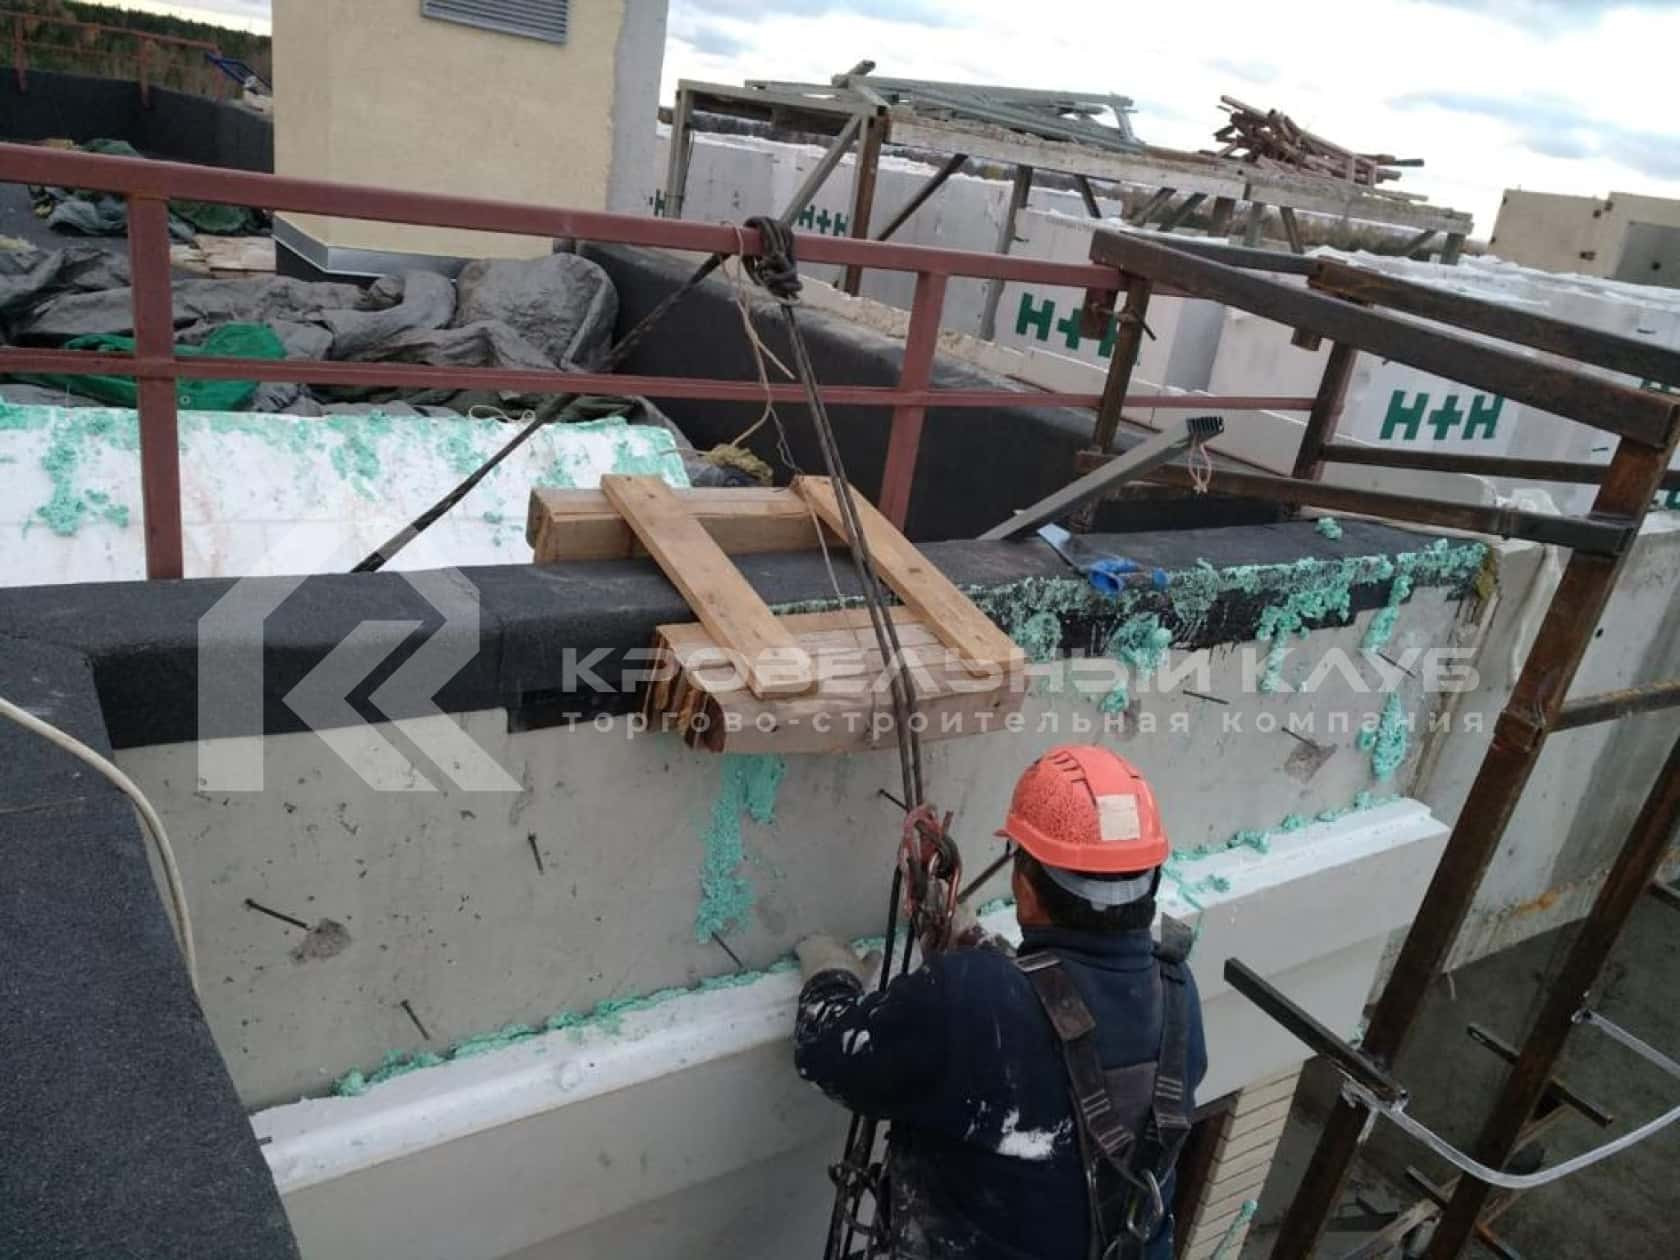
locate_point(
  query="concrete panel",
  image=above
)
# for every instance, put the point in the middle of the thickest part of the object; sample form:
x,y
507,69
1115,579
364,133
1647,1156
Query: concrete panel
x,y
553,1146
1590,782
266,494
734,177
445,906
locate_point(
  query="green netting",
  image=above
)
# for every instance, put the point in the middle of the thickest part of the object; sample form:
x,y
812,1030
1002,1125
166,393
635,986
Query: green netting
x,y
230,341
204,216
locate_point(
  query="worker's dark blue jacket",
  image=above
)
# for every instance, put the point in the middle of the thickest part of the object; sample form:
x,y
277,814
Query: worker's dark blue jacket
x,y
961,1058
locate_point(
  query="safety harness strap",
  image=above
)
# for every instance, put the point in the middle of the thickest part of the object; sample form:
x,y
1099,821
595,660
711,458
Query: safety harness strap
x,y
1123,1165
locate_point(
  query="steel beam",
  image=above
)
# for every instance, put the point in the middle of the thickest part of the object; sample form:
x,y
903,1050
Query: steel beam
x,y
27,164
868,165
953,164
1132,464
1586,535
1565,391
905,437
1614,704
1128,339
1573,473
1326,411
1518,738
154,338
1648,360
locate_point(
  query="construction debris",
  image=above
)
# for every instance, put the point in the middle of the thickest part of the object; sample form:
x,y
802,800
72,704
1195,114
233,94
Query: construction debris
x,y
1271,138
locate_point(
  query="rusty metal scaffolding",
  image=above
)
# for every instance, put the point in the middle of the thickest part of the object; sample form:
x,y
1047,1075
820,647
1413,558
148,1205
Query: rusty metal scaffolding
x,y
1360,310
964,121
141,63
1356,310
150,185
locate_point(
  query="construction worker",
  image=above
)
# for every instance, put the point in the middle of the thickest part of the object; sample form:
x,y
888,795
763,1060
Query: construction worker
x,y
976,1058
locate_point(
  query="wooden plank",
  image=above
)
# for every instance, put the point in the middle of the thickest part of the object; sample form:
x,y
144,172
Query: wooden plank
x,y
1350,201
1150,169
1291,229
949,613
236,253
583,525
851,709
723,600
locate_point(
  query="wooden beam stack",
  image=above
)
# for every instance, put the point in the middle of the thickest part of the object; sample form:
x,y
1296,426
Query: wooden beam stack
x,y
1271,138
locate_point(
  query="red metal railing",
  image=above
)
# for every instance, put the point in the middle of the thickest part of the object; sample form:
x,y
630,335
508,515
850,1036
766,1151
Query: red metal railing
x,y
150,185
24,24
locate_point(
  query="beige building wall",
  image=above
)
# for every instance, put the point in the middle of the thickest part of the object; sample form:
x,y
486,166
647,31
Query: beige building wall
x,y
370,92
1626,236
1552,231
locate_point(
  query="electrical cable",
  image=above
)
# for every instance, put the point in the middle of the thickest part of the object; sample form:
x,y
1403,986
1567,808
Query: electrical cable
x,y
148,815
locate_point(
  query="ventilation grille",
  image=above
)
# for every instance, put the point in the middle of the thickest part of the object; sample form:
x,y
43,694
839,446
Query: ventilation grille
x,y
535,19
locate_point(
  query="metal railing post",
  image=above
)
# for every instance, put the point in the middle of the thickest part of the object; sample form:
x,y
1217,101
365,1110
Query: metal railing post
x,y
1519,735
154,347
905,439
1128,340
1326,411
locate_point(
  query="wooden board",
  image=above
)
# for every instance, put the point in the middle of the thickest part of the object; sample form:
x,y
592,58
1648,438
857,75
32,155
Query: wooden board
x,y
236,253
726,604
1189,174
698,694
584,525
950,614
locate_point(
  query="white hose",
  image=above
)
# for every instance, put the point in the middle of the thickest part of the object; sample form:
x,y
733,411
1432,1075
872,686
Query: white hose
x,y
148,815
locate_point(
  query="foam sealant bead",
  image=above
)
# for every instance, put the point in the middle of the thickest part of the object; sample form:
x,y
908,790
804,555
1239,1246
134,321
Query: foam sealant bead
x,y
1387,741
1293,597
748,787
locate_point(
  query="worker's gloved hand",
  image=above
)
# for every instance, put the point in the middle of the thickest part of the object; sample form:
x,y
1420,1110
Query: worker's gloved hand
x,y
821,953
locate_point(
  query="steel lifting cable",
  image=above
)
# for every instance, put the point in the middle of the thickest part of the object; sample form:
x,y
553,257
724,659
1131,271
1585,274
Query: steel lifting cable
x,y
776,270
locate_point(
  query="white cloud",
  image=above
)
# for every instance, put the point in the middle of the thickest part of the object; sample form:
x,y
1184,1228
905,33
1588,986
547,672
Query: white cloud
x,y
1346,71
1561,95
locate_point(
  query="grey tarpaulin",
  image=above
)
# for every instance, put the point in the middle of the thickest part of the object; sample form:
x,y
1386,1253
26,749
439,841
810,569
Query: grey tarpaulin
x,y
537,314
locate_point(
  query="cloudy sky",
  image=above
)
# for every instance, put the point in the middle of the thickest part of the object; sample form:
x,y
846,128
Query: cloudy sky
x,y
1557,95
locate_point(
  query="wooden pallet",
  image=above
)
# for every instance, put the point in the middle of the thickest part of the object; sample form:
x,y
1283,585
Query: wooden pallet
x,y
746,680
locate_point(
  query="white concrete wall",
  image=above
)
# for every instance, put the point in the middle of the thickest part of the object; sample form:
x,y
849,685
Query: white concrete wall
x,y
441,894
684,1132
1202,345
1590,782
731,178
264,494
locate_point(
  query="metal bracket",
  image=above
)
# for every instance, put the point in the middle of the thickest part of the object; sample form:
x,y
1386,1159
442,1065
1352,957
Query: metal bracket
x,y
1366,1083
1125,467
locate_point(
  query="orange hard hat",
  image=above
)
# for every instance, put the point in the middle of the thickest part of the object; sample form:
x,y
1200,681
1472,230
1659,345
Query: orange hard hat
x,y
1081,807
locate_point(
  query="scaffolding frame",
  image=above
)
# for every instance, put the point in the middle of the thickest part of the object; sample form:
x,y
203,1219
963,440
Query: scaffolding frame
x,y
1360,310
1012,126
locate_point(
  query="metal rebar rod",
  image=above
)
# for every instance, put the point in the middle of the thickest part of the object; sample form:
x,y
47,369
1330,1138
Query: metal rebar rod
x,y
953,164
